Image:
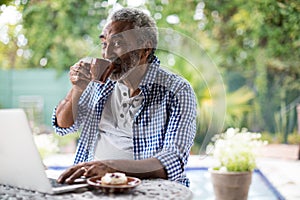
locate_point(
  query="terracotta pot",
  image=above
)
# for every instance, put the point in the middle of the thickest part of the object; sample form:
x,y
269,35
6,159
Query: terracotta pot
x,y
231,185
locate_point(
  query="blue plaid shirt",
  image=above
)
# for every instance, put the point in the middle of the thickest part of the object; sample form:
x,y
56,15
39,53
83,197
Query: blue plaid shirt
x,y
164,127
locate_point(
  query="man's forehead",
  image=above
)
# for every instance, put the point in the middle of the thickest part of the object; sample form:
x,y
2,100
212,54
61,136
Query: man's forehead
x,y
116,28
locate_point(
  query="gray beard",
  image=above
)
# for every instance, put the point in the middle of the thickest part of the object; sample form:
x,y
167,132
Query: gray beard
x,y
127,68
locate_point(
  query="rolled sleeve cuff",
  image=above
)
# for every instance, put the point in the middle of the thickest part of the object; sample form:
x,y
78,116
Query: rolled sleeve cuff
x,y
173,167
59,130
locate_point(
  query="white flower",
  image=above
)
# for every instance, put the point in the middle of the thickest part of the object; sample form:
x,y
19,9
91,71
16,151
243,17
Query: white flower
x,y
235,150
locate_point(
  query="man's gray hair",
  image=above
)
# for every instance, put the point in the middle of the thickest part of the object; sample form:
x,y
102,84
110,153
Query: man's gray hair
x,y
142,21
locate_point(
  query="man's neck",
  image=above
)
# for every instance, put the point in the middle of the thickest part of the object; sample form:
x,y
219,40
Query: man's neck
x,y
133,80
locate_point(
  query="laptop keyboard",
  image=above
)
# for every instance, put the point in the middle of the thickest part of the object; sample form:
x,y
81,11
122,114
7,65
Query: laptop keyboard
x,y
55,184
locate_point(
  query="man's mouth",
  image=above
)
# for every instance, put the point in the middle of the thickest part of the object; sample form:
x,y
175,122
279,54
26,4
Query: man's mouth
x,y
117,61
117,66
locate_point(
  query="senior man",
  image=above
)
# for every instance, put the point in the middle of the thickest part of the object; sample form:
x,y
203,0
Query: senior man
x,y
140,121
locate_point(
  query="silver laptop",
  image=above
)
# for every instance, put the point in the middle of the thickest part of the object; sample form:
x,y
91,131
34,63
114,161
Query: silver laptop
x,y
20,162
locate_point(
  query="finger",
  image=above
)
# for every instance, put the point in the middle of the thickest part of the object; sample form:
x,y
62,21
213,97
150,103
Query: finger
x,y
77,174
73,79
93,171
83,73
66,174
76,76
97,169
84,65
75,67
85,69
80,70
73,73
77,80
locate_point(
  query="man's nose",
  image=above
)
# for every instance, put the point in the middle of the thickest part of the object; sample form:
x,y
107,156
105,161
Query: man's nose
x,y
108,52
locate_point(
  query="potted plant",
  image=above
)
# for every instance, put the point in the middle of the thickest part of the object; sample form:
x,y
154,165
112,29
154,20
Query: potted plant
x,y
235,152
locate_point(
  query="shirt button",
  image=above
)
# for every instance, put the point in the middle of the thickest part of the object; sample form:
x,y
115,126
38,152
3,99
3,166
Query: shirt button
x,y
122,115
124,94
124,105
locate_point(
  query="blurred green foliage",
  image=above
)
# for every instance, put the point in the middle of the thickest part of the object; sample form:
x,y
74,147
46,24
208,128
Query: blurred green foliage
x,y
255,45
4,2
62,31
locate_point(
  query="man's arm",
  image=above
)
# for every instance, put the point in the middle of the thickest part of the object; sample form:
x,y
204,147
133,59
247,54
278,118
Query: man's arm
x,y
148,168
66,111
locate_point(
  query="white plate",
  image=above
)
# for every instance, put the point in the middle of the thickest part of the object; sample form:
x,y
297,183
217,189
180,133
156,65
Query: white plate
x,y
132,182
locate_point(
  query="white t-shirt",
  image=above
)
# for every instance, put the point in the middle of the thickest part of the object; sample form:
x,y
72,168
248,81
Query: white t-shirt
x,y
115,138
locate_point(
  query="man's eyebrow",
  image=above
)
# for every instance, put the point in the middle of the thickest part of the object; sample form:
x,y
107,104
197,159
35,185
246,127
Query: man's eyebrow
x,y
117,36
102,36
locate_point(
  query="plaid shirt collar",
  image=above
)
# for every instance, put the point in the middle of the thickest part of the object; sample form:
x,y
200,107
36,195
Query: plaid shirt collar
x,y
151,74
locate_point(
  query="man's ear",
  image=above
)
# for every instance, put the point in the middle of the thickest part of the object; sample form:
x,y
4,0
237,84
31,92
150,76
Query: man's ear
x,y
148,46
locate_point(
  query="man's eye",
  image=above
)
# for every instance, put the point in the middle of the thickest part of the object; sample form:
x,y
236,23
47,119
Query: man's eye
x,y
117,43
